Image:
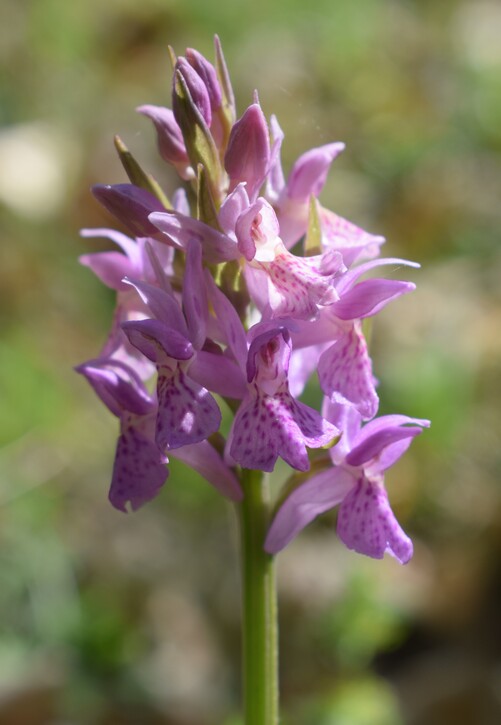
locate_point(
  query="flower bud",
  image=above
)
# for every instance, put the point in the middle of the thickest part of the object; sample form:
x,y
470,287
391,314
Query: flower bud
x,y
197,90
130,205
248,154
207,73
169,136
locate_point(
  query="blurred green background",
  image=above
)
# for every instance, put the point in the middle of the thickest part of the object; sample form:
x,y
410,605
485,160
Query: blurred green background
x,y
108,619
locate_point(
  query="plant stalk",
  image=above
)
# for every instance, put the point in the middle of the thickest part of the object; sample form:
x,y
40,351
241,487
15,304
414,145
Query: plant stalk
x,y
259,600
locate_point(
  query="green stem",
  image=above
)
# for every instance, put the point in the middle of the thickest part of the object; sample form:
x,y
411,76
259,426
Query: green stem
x,y
260,630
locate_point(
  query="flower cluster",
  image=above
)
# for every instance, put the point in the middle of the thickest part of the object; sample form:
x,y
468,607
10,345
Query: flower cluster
x,y
241,285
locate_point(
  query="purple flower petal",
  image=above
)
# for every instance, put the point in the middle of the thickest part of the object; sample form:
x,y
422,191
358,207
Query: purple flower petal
x,y
230,322
348,279
139,471
204,459
275,181
353,242
126,244
218,373
117,385
157,341
130,205
169,137
374,445
268,357
319,494
367,524
216,247
345,373
231,208
163,305
195,301
187,412
309,173
257,231
369,297
382,441
109,267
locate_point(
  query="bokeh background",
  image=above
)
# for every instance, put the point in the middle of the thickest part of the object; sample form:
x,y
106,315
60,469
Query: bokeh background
x,y
108,619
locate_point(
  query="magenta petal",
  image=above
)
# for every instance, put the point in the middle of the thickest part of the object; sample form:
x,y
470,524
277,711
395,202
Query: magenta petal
x,y
268,357
231,208
156,340
309,173
353,242
345,373
367,524
318,495
230,322
374,445
195,302
385,439
349,279
369,297
139,471
303,362
118,386
163,305
109,267
216,247
126,244
187,412
204,459
218,373
275,181
169,136
256,223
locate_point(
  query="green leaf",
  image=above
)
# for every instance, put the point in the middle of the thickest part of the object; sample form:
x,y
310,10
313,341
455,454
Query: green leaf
x,y
227,112
136,174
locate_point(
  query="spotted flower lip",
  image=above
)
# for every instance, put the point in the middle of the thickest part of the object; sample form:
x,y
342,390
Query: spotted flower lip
x,y
366,522
296,286
269,422
139,469
187,412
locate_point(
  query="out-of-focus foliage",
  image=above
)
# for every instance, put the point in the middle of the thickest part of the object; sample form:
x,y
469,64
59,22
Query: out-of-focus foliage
x,y
115,619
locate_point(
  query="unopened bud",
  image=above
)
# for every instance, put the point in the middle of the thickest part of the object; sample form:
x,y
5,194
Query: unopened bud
x,y
248,155
207,73
197,90
130,205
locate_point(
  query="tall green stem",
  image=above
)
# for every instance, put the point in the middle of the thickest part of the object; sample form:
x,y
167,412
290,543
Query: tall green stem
x,y
260,629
